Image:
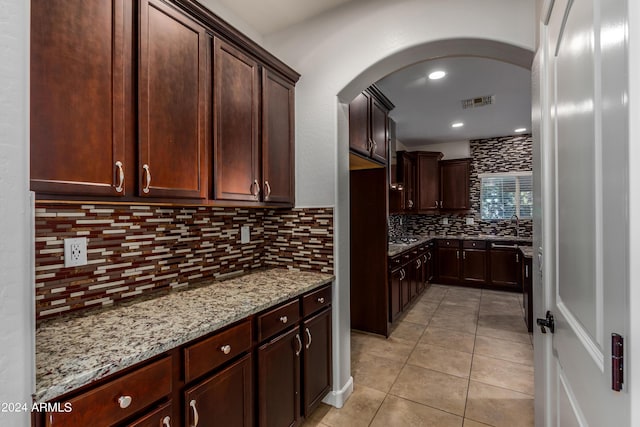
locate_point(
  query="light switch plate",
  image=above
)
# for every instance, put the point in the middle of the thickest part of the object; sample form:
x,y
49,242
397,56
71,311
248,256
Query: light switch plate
x,y
245,235
470,221
75,252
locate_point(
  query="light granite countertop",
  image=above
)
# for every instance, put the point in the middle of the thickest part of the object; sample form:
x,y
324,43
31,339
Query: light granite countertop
x,y
527,251
395,249
76,350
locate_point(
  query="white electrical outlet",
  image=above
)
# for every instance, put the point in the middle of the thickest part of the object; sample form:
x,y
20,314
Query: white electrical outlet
x,y
245,235
470,221
445,221
75,252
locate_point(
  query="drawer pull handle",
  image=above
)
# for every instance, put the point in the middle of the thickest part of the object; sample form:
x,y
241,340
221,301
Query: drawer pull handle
x,y
321,300
299,345
284,319
195,413
308,336
267,190
226,349
166,421
124,401
147,175
120,184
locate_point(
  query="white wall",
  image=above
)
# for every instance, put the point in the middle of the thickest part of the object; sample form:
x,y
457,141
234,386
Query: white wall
x,y
344,50
232,18
16,289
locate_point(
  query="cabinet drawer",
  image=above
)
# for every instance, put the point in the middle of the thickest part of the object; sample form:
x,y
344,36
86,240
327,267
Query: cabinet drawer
x,y
451,243
474,244
156,418
278,319
118,399
316,300
395,262
212,352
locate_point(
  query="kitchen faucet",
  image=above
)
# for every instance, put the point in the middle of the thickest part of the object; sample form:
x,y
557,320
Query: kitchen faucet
x,y
517,224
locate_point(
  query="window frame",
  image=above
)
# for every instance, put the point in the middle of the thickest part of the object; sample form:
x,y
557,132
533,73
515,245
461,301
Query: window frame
x,y
517,175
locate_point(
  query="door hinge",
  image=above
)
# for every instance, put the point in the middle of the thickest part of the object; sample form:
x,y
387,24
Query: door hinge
x,y
617,362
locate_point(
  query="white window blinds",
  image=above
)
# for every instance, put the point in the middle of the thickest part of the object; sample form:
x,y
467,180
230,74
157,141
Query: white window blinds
x,y
503,195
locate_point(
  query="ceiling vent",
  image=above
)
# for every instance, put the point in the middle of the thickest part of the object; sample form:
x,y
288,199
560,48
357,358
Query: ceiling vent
x,y
480,101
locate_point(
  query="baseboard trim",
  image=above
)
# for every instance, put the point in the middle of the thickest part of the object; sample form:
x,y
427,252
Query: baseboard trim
x,y
337,398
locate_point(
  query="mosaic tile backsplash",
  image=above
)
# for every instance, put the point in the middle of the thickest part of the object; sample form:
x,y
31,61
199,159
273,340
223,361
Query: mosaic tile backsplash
x,y
502,154
133,250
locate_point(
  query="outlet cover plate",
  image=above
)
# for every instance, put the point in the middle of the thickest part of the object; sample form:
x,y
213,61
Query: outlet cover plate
x,y
445,221
470,221
245,235
75,252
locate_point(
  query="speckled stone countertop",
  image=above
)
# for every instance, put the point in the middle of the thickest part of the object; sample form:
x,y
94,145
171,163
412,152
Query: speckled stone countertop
x,y
395,249
76,350
527,251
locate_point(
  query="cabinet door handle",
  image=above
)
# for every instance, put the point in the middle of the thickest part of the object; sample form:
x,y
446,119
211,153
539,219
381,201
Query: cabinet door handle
x,y
299,345
402,275
147,176
418,263
124,401
410,203
120,171
457,254
267,190
517,258
166,421
464,254
196,418
436,204
424,259
284,319
255,189
526,271
226,349
308,336
374,147
429,255
440,204
321,300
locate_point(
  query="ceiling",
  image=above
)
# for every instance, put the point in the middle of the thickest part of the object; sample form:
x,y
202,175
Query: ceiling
x,y
274,15
425,109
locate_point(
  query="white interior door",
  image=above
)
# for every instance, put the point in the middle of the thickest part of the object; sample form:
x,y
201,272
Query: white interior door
x,y
586,71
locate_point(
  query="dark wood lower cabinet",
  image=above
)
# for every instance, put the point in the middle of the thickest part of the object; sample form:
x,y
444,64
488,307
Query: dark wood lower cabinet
x,y
504,268
157,417
224,399
474,266
279,380
527,292
317,358
395,290
449,265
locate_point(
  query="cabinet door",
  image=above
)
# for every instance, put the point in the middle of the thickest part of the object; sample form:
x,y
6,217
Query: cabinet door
x,y
80,84
395,291
474,266
277,139
454,184
236,91
317,360
405,286
449,265
416,277
505,268
225,399
427,181
279,380
408,179
379,132
172,97
359,132
527,292
160,417
430,265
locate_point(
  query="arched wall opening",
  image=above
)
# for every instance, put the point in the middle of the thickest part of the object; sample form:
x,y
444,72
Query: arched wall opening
x,y
484,48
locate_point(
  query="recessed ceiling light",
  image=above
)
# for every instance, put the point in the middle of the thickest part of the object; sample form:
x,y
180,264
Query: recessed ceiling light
x,y
457,125
520,130
437,75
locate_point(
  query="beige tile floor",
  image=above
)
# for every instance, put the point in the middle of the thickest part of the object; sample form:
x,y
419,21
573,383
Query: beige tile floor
x,y
459,357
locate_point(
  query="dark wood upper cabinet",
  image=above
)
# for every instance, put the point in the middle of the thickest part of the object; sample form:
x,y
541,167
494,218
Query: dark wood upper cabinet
x,y
369,125
279,380
407,175
454,184
171,99
317,358
236,91
277,139
81,104
224,399
427,181
359,138
379,131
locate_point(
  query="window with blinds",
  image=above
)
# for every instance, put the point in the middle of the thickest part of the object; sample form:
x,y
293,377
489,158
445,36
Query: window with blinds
x,y
503,195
